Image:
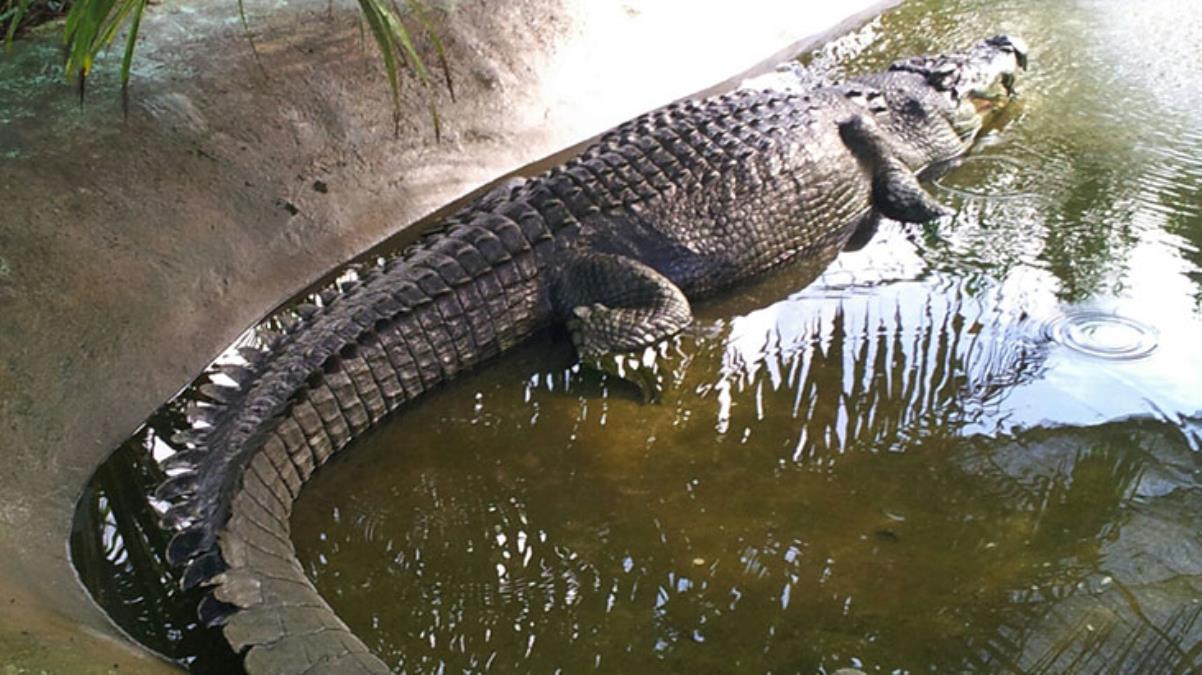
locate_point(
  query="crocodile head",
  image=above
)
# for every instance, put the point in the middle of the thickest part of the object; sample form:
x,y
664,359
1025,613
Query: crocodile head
x,y
986,71
934,106
973,84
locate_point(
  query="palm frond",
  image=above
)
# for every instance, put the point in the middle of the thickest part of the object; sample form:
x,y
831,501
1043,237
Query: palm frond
x,y
419,11
397,45
14,12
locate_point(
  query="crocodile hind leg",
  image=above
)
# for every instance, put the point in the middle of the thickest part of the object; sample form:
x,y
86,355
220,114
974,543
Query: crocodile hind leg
x,y
615,306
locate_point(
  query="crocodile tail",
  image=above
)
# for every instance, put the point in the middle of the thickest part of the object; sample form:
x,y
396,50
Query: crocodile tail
x,y
264,427
249,451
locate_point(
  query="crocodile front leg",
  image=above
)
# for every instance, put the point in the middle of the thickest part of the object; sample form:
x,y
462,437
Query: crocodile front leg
x,y
615,304
895,189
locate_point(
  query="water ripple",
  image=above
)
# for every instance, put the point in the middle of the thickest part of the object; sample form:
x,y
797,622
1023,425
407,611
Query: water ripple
x,y
1106,336
988,176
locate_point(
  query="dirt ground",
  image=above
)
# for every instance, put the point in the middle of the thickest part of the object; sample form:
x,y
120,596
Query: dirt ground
x,y
133,250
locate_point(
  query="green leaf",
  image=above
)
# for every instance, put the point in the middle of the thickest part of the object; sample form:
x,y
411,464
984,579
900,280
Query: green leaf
x,y
128,57
373,11
15,13
419,11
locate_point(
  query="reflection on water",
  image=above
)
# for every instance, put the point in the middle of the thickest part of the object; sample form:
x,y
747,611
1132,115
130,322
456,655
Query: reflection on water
x,y
969,447
119,551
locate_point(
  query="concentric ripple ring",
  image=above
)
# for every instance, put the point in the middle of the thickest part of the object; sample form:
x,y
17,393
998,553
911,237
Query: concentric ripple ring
x,y
1103,335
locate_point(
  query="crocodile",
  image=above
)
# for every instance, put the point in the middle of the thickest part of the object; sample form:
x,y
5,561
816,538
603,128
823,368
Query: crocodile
x,y
673,205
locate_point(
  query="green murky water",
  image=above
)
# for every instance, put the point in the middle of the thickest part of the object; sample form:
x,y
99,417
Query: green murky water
x,y
970,447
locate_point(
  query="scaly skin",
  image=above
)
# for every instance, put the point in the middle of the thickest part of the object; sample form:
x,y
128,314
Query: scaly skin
x,y
681,202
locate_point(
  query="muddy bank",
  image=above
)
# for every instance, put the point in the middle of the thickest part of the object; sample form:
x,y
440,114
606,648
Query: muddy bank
x,y
133,250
